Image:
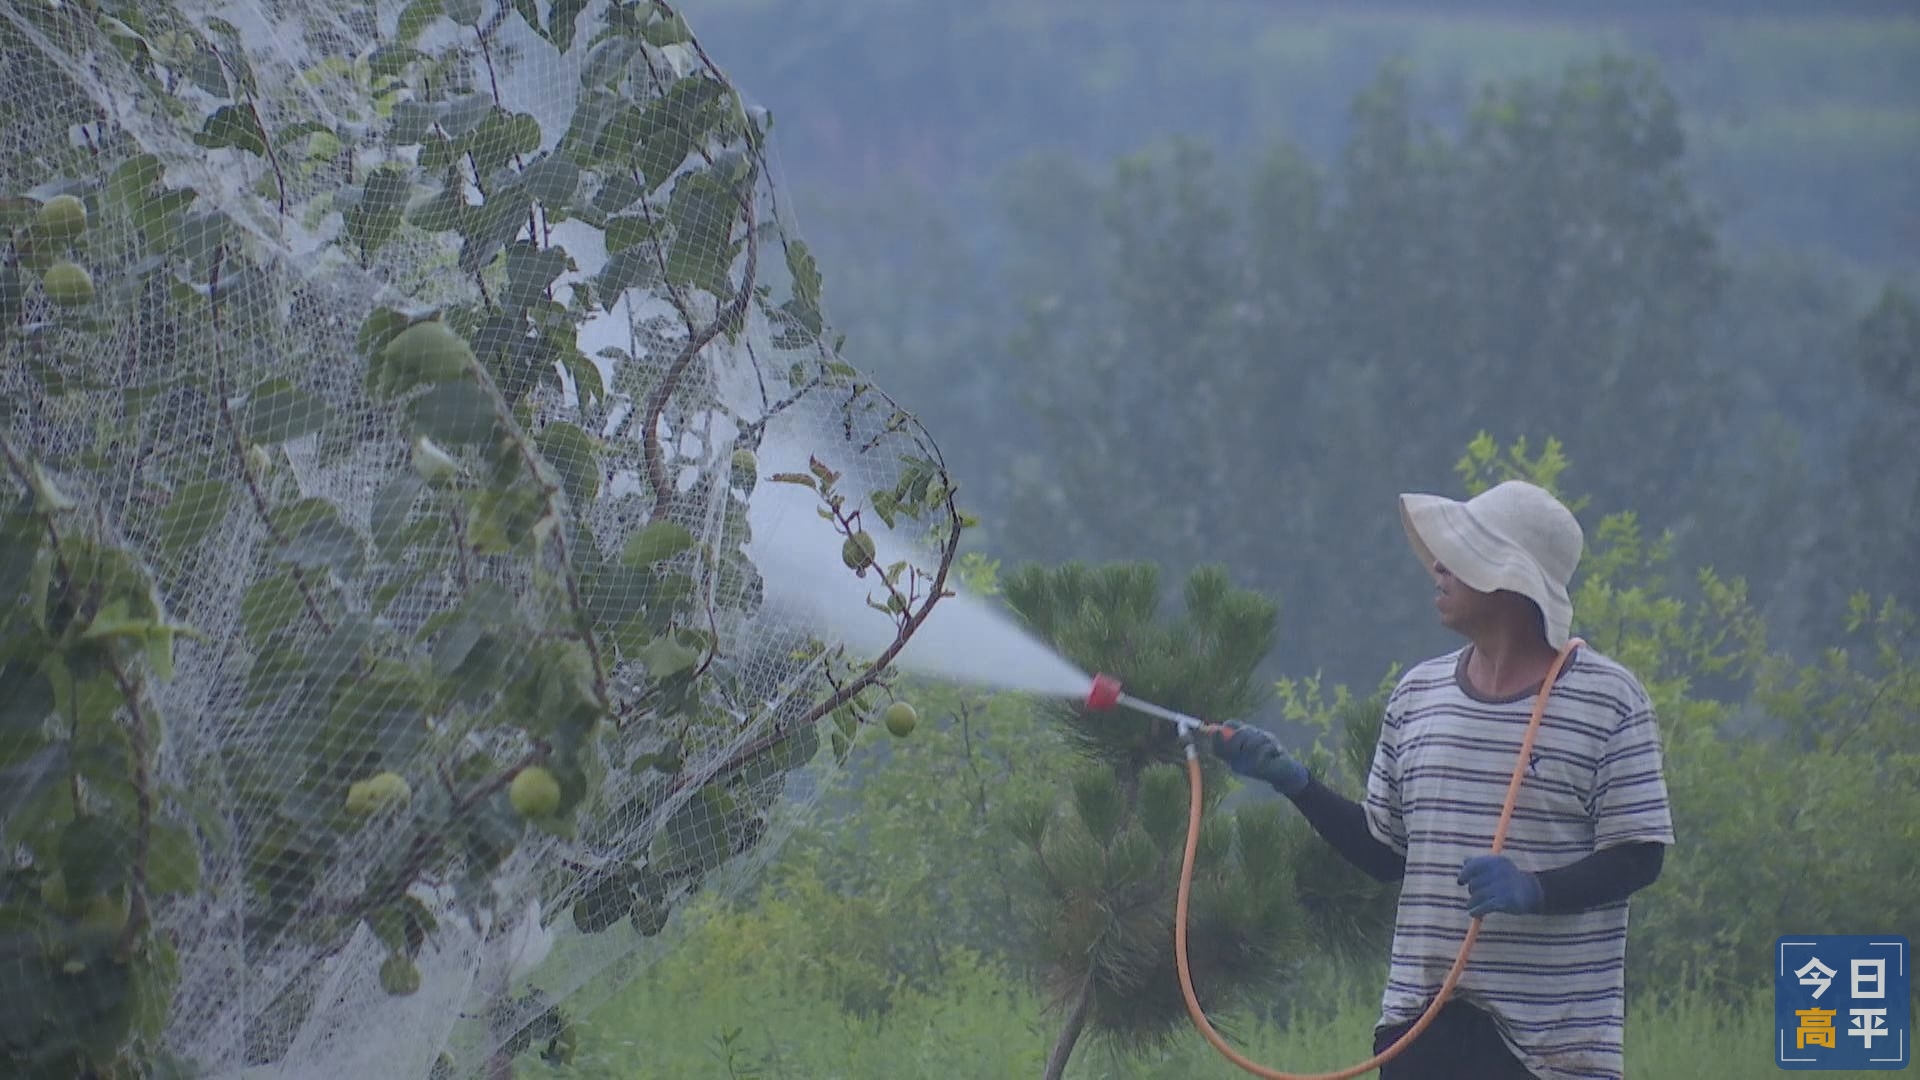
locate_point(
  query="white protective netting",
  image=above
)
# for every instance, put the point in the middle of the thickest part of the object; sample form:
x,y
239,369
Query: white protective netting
x,y
425,529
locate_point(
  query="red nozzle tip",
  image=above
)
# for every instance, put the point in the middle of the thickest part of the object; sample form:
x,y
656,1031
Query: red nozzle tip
x,y
1105,693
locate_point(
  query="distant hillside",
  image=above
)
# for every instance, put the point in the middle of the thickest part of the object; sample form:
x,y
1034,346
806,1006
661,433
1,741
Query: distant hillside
x,y
1806,128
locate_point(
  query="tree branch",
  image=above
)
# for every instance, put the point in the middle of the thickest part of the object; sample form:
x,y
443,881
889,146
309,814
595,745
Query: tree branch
x,y
223,393
662,392
1070,1031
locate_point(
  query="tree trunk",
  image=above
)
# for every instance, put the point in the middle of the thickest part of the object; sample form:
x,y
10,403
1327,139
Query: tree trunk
x,y
1070,1031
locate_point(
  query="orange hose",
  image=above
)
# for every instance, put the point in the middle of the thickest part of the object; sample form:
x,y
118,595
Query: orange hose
x,y
1459,962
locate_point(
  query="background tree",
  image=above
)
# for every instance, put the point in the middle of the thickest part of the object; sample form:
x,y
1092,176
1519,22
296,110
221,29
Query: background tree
x,y
1100,863
1250,333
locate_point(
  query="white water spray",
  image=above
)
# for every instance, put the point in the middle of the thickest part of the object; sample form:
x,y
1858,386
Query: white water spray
x,y
965,639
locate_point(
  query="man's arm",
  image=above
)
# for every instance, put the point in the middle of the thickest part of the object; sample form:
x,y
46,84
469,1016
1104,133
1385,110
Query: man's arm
x,y
1346,825
1342,823
1607,876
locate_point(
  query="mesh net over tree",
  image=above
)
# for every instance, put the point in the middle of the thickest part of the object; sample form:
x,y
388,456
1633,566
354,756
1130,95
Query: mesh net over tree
x,y
424,451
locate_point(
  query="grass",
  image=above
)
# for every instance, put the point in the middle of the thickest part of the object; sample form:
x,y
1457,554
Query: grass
x,y
708,1020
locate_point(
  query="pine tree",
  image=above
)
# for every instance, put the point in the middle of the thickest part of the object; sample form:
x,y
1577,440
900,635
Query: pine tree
x,y
1102,860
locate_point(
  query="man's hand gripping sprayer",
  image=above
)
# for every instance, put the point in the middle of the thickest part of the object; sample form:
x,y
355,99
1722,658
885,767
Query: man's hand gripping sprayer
x,y
1106,693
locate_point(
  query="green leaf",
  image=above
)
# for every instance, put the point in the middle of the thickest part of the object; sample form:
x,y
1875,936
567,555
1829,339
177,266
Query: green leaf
x,y
278,411
702,212
26,700
670,597
131,184
21,538
624,270
805,305
443,211
694,839
502,519
269,605
671,127
614,597
200,237
501,137
553,180
96,853
379,329
461,115
275,671
339,655
454,414
370,222
13,294
316,538
173,860
530,272
487,228
657,542
414,19
379,721
192,513
157,218
156,970
572,454
562,20
671,30
391,62
606,62
530,14
616,193
586,377
665,657
390,510
464,12
437,152
235,126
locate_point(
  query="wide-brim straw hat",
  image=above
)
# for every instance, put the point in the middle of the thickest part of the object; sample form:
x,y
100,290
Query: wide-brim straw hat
x,y
1514,536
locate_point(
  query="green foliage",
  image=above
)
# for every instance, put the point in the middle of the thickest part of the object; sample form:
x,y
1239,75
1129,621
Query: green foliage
x,y
1259,332
733,1002
915,830
1097,879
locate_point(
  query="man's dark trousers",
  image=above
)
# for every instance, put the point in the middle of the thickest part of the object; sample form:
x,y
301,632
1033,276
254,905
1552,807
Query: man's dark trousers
x,y
1461,1044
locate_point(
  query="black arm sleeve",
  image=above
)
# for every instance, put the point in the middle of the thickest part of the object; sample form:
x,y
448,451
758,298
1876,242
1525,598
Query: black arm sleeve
x,y
1604,877
1342,823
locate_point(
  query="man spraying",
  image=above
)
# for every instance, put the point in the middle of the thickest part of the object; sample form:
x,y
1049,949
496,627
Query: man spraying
x,y
1543,995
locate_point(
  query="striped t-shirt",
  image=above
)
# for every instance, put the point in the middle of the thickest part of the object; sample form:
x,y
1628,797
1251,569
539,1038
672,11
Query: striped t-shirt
x,y
1553,983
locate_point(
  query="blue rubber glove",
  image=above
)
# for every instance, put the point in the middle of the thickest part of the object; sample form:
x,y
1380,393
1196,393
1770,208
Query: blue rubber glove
x,y
1495,884
1253,753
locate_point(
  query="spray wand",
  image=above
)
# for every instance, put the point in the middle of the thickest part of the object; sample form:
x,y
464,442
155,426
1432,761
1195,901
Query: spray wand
x,y
1106,693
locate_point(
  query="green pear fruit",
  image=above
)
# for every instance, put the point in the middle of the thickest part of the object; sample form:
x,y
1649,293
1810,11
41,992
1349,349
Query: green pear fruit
x,y
535,793
399,976
68,284
61,219
430,352
858,551
378,792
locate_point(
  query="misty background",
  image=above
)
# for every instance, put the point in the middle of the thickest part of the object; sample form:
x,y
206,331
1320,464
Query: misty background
x,y
1216,281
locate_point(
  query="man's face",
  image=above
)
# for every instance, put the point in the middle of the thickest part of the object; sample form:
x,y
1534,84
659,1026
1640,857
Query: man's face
x,y
1460,607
